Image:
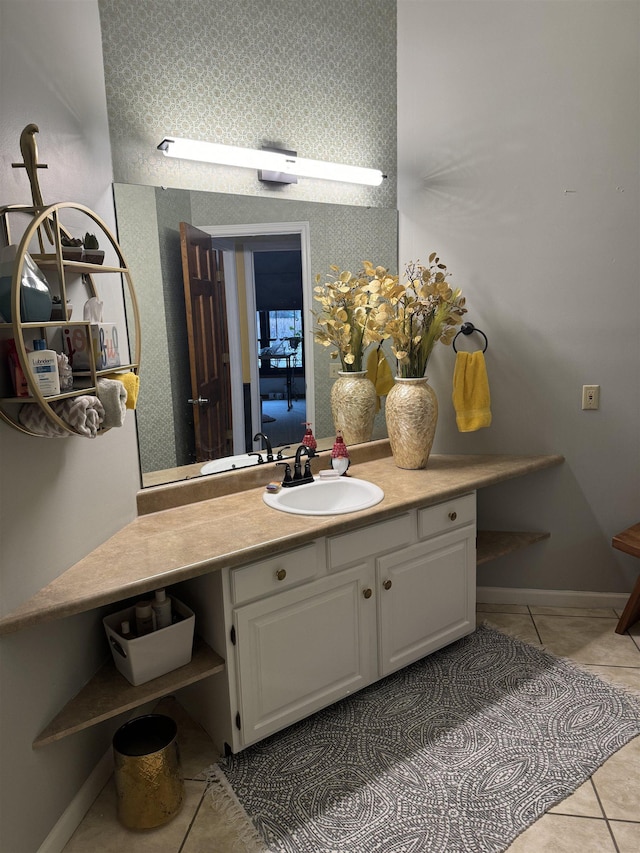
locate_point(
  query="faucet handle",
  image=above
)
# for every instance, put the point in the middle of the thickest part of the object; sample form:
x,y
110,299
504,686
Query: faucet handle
x,y
287,473
284,447
259,455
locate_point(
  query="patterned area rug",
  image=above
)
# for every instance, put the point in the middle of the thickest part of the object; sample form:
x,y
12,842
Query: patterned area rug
x,y
458,753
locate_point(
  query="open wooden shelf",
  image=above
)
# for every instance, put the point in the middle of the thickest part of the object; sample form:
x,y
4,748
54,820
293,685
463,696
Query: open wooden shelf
x,y
109,693
497,543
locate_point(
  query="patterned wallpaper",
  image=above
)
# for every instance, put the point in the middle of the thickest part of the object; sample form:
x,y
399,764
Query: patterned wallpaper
x,y
316,76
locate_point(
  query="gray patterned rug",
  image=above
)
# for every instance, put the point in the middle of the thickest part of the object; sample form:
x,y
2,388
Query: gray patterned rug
x,y
458,753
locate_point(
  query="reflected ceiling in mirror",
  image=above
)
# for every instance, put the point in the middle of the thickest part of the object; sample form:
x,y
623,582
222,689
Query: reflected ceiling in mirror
x,y
149,232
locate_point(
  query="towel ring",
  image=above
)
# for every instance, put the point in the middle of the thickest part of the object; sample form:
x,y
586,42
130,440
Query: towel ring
x,y
469,329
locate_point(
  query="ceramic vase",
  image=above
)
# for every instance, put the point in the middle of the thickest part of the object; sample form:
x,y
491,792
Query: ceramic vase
x,y
412,415
353,406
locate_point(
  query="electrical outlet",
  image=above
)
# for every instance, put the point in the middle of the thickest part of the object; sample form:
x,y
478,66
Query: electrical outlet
x,y
590,396
333,371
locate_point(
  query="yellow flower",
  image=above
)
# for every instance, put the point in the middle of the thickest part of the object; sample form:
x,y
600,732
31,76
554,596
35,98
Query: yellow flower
x,y
422,311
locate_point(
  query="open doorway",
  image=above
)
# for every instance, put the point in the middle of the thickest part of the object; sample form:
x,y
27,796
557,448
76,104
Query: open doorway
x,y
269,292
280,326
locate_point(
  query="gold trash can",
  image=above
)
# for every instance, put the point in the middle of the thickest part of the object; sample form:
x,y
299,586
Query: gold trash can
x,y
148,776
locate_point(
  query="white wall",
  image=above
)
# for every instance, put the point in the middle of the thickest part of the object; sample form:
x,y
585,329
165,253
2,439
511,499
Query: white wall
x,y
59,499
502,107
519,143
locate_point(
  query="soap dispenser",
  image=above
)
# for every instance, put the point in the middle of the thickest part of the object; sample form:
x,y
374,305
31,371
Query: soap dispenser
x,y
308,439
340,455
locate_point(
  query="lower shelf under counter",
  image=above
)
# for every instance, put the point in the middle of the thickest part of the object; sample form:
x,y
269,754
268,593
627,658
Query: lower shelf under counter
x,y
109,693
491,544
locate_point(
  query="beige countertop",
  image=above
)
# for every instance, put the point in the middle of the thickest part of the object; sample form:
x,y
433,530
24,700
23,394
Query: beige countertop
x,y
171,545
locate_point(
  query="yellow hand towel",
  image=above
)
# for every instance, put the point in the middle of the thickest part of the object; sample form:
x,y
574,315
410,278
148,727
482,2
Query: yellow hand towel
x,y
471,398
379,372
131,382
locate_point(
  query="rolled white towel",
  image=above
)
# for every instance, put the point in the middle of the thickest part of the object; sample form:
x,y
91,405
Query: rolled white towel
x,y
113,396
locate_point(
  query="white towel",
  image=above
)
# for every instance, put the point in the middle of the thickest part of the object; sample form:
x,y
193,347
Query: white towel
x,y
83,414
113,396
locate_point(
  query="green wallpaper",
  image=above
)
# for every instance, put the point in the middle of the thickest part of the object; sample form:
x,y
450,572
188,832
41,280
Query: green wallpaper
x,y
316,76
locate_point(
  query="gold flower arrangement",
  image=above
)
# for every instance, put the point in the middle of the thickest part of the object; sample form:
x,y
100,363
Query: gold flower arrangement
x,y
375,305
348,319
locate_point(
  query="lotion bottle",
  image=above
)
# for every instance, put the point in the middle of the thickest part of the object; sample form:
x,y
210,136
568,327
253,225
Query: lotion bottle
x,y
44,368
162,609
145,622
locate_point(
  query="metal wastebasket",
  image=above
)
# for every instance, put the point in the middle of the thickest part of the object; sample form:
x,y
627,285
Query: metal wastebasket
x,y
148,776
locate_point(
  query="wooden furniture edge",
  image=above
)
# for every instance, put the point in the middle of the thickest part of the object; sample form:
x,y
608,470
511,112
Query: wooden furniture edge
x,y
628,541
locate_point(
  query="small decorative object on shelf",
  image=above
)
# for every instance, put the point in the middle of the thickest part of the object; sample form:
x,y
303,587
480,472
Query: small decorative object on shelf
x,y
92,253
71,248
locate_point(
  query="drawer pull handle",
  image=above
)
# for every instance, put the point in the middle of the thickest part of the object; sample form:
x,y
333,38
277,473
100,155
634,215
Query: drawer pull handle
x,y
453,516
387,584
281,574
367,592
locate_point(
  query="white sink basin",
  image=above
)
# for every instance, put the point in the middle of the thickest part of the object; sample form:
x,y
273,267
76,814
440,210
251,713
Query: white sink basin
x,y
326,497
228,463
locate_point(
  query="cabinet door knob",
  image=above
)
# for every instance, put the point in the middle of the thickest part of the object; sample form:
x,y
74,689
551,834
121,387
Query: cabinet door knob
x,y
281,574
453,516
387,584
367,592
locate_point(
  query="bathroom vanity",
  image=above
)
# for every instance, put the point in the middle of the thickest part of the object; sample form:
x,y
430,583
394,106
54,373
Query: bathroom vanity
x,y
305,628
292,612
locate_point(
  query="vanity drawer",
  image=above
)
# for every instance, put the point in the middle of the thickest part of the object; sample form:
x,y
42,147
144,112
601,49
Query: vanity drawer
x,y
376,539
446,516
275,574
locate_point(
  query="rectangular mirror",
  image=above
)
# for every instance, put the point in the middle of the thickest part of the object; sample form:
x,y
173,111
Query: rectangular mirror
x,y
271,374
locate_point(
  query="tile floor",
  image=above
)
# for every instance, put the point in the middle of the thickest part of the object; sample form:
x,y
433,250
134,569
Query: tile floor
x,y
602,816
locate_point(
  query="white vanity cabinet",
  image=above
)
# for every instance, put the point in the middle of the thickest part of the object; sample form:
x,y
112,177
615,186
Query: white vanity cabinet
x,y
425,581
303,649
303,629
427,594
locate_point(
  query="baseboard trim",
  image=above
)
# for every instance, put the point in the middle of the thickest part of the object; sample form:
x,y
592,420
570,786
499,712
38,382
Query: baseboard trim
x,y
550,597
72,816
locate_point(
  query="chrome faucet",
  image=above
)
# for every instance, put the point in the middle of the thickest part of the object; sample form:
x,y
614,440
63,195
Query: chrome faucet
x,y
266,440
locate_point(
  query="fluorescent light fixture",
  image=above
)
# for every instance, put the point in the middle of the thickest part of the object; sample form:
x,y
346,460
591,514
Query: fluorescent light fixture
x,y
268,161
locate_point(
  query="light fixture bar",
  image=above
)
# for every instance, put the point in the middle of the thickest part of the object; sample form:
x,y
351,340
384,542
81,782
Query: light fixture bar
x,y
269,161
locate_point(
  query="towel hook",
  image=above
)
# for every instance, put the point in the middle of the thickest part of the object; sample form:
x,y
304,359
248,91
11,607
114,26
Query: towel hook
x,y
469,329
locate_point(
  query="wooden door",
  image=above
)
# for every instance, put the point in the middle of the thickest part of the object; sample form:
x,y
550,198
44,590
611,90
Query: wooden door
x,y
208,343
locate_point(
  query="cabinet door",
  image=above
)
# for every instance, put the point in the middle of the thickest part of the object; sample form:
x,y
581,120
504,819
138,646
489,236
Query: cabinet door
x,y
304,649
426,597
